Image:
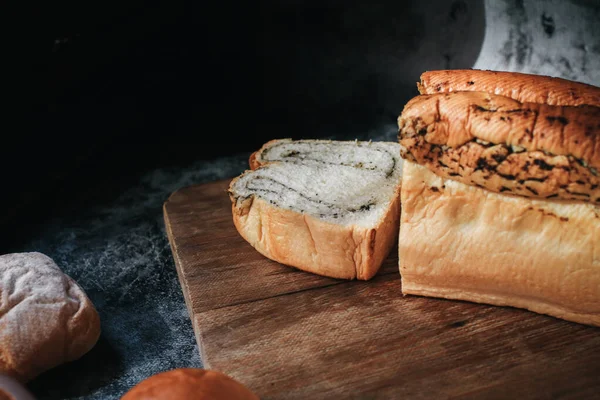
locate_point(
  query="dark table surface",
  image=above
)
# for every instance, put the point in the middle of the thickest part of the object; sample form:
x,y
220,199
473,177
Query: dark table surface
x,y
137,102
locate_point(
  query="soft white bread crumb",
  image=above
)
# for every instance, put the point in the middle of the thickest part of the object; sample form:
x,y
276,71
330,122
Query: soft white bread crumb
x,y
328,207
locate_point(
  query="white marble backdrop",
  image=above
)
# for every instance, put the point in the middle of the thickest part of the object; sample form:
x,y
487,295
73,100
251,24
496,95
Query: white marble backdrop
x,y
554,37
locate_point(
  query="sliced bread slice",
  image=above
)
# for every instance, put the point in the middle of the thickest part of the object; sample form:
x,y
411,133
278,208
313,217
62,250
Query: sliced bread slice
x,y
327,207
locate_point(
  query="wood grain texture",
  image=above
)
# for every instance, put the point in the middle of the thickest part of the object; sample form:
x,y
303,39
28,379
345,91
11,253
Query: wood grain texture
x,y
288,334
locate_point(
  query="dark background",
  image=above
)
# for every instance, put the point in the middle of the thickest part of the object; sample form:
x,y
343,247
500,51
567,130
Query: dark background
x,y
112,91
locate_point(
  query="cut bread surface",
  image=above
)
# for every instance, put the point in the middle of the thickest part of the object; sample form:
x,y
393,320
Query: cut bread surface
x,y
327,207
375,156
345,182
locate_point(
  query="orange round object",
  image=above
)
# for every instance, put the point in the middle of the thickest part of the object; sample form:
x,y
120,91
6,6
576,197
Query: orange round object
x,y
189,384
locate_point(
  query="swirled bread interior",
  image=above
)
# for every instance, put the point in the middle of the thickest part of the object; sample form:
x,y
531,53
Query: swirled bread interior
x,y
327,207
344,182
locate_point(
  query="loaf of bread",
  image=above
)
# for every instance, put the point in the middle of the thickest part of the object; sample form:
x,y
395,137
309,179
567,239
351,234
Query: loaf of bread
x,y
500,199
188,384
46,319
322,206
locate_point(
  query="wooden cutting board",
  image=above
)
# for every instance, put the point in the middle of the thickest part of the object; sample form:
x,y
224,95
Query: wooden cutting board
x,y
288,334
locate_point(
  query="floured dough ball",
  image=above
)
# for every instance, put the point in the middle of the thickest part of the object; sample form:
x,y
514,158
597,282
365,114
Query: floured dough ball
x,y
46,319
188,384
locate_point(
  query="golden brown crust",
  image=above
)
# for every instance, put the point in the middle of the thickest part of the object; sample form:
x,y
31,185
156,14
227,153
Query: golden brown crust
x,y
255,160
498,249
519,86
505,146
314,245
189,383
502,170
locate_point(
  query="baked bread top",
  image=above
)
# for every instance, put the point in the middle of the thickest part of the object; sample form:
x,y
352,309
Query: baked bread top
x,y
189,384
519,86
493,141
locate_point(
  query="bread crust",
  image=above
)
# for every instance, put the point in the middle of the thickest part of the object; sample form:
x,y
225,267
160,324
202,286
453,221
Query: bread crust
x,y
499,249
503,145
252,161
255,160
54,321
519,86
313,245
189,383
